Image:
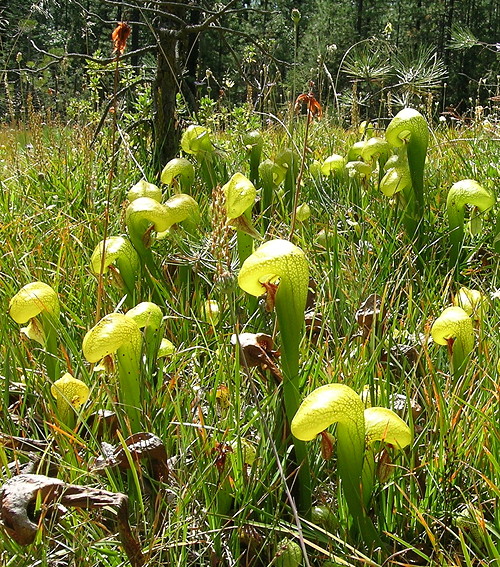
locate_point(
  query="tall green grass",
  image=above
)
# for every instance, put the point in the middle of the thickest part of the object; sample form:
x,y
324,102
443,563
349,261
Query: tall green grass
x,y
52,203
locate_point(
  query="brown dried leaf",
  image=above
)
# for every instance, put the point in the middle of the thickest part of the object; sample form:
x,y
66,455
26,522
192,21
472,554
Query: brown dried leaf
x,y
23,444
315,326
18,497
256,349
140,446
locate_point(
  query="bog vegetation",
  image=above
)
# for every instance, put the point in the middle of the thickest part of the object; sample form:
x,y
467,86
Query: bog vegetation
x,y
278,348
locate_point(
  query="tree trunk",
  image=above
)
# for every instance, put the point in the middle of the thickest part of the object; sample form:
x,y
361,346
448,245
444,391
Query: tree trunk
x,y
166,131
134,44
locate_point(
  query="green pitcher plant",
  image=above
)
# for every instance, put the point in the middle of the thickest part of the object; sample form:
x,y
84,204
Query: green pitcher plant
x,y
240,195
462,193
355,152
38,305
165,351
210,312
385,426
117,256
473,302
272,176
149,317
454,329
196,141
333,165
359,169
117,335
357,429
70,394
303,212
409,131
281,269
290,161
145,215
396,176
179,170
254,143
144,189
376,151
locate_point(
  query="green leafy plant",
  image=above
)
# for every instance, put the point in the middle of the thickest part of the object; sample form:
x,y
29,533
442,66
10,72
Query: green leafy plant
x,y
119,335
38,305
118,257
454,329
462,193
357,428
70,394
280,268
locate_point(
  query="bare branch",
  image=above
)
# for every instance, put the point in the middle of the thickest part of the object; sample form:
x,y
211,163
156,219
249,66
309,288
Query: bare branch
x,y
106,61
252,40
210,20
109,104
154,11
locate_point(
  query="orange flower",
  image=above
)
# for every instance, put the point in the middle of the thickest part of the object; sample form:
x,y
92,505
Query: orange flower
x,y
119,36
313,106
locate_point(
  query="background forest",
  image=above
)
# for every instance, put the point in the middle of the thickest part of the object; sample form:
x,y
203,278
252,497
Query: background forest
x,y
363,56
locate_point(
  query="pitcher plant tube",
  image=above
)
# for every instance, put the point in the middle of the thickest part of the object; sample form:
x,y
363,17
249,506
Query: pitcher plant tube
x,y
254,143
145,215
340,404
38,305
240,195
70,394
271,176
179,172
281,269
289,160
149,317
121,260
119,335
196,141
462,193
409,130
454,328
